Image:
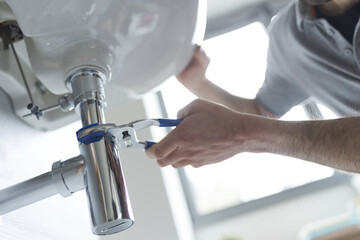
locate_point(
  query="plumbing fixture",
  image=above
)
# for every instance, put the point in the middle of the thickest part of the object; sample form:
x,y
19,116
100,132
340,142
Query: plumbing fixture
x,y
65,103
97,170
108,199
10,32
92,43
65,178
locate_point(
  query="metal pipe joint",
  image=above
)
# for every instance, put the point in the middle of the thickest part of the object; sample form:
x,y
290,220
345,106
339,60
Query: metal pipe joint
x,y
97,169
87,84
68,176
65,178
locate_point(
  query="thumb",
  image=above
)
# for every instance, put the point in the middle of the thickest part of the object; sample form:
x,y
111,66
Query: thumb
x,y
193,107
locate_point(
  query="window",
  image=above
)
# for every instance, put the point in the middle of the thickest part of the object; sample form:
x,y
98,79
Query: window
x,y
238,63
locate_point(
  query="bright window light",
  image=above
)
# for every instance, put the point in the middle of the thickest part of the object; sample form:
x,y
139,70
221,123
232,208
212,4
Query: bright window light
x,y
238,63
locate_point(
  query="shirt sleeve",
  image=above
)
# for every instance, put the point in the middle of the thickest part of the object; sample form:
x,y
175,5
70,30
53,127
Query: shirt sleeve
x,y
282,88
277,96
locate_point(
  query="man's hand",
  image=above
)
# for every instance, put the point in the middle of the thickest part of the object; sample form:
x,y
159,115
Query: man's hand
x,y
193,76
206,135
211,133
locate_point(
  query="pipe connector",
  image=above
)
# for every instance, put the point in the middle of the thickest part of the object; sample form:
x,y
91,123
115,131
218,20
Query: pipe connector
x,y
68,176
65,178
86,84
66,102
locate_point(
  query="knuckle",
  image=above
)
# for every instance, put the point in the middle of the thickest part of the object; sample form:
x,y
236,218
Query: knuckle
x,y
197,165
176,165
157,152
161,163
180,164
197,102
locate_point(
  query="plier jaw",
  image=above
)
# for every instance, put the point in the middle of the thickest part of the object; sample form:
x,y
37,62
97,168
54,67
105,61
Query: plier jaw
x,y
124,135
127,138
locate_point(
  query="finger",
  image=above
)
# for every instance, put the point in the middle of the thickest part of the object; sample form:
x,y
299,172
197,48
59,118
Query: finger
x,y
159,151
172,158
184,72
182,163
188,162
196,55
186,111
198,48
163,148
180,157
200,52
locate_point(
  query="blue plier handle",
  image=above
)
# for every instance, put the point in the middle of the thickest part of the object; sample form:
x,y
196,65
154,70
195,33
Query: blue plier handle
x,y
163,123
125,134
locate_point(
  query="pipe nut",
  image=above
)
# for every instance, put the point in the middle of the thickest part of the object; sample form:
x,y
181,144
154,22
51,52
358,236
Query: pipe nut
x,y
66,102
67,176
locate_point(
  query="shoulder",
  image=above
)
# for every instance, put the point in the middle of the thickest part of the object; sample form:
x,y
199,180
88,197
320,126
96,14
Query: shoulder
x,y
284,19
284,33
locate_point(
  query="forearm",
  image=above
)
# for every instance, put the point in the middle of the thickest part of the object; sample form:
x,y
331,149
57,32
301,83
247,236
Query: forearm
x,y
334,143
210,91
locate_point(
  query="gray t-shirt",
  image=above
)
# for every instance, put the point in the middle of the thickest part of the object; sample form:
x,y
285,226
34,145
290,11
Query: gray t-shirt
x,y
308,58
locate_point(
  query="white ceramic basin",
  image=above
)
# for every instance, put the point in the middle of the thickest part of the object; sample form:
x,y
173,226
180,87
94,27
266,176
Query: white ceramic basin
x,y
140,43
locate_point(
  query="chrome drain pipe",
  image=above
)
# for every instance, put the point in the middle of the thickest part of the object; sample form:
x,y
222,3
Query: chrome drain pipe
x,y
105,186
65,178
97,170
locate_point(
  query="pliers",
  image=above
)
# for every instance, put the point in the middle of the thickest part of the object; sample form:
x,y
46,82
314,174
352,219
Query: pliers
x,y
125,134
